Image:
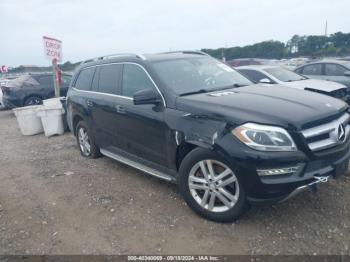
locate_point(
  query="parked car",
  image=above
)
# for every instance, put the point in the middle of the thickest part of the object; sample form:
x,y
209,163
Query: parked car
x,y
1,102
293,63
188,118
32,89
249,61
285,77
331,70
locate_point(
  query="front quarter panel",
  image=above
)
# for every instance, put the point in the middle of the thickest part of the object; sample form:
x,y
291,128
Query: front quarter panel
x,y
196,129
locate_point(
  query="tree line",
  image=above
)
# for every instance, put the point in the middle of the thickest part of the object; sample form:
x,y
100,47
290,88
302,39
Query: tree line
x,y
337,44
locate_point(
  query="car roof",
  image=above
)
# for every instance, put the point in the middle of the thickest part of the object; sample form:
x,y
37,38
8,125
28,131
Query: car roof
x,y
257,67
324,61
172,56
334,61
129,57
249,59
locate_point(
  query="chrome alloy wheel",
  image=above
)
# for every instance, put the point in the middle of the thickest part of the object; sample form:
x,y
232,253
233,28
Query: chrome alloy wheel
x,y
84,141
33,101
213,185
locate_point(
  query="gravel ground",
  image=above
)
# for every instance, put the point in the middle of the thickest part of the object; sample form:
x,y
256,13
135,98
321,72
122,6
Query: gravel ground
x,y
53,201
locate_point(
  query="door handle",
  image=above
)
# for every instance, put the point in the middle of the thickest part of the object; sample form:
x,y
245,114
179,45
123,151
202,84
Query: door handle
x,y
120,109
89,103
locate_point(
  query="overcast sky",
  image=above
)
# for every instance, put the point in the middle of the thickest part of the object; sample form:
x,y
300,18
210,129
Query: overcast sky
x,y
91,28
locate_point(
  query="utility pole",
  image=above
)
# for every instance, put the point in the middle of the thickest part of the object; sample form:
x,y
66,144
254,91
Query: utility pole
x,y
326,28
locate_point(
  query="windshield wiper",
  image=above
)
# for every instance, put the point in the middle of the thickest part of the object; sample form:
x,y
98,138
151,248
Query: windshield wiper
x,y
200,91
238,85
294,80
223,88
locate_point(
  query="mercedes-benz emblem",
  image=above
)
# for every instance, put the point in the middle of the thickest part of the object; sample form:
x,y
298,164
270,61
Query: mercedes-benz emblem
x,y
341,133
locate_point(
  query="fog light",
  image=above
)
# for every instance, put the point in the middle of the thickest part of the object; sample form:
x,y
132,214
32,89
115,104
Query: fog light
x,y
278,171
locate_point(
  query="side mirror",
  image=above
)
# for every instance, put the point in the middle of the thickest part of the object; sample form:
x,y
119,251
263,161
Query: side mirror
x,y
146,97
265,81
347,73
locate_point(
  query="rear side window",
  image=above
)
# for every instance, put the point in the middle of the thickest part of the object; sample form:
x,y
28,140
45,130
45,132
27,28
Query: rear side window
x,y
84,79
252,75
46,80
109,78
134,79
334,70
315,69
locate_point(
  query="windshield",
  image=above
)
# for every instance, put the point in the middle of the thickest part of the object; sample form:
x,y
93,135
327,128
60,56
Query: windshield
x,y
189,75
284,75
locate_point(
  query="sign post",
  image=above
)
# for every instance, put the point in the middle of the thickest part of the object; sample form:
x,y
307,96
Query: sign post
x,y
55,82
53,51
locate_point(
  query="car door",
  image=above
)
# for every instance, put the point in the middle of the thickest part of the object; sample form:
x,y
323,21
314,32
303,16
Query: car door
x,y
141,128
335,72
104,103
313,71
83,100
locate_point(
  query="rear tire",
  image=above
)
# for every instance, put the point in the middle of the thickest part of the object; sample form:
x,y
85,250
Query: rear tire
x,y
211,187
85,140
32,101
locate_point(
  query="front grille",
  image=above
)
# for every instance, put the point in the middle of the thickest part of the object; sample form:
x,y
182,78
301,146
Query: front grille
x,y
328,135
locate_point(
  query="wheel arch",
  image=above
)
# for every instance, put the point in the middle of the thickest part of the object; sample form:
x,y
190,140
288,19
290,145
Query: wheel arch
x,y
31,95
187,146
76,119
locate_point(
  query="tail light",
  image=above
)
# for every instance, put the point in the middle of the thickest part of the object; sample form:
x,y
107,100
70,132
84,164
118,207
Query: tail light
x,y
5,89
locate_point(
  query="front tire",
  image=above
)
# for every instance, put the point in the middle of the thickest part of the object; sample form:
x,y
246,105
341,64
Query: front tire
x,y
210,186
86,142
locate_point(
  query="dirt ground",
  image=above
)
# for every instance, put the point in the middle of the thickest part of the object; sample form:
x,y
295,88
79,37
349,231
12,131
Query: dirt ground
x,y
53,201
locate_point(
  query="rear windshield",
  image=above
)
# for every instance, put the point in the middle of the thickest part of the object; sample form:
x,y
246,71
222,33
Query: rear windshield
x,y
198,73
284,75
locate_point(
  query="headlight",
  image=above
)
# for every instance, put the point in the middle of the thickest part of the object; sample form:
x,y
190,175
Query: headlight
x,y
265,138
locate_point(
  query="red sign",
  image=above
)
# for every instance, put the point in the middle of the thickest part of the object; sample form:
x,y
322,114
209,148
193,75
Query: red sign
x,y
3,69
53,48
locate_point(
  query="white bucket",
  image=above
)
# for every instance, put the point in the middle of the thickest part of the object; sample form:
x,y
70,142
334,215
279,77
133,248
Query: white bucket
x,y
56,101
51,118
28,121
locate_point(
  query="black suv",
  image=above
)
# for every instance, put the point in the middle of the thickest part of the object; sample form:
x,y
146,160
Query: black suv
x,y
188,118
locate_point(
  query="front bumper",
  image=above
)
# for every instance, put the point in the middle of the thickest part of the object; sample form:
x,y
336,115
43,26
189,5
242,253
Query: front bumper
x,y
275,188
311,186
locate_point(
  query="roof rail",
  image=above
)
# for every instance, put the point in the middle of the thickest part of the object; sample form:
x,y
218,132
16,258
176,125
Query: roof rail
x,y
113,56
198,52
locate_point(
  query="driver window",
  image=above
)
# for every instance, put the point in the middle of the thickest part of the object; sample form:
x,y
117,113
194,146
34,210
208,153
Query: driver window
x,y
315,69
334,70
134,80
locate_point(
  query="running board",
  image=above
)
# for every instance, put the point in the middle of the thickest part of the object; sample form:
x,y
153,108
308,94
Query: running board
x,y
141,167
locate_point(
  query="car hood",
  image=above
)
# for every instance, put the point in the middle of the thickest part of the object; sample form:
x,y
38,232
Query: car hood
x,y
290,108
322,85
